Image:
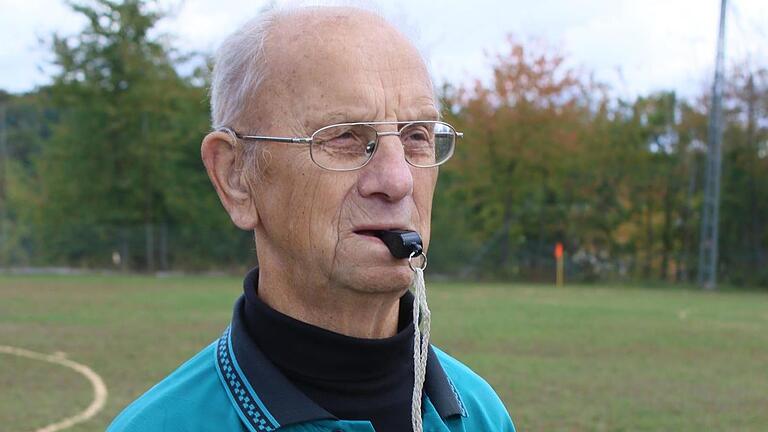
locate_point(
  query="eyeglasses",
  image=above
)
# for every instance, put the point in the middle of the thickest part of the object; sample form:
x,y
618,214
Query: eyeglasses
x,y
350,146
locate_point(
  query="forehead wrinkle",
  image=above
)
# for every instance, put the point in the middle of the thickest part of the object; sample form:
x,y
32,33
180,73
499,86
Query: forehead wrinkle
x,y
352,115
409,106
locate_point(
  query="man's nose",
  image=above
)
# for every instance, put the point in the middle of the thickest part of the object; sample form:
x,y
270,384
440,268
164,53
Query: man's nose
x,y
387,174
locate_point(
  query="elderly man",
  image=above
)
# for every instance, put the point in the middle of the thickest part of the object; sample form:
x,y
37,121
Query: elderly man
x,y
326,136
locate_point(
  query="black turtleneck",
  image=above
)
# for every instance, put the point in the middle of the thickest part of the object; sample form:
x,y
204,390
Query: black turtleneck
x,y
352,378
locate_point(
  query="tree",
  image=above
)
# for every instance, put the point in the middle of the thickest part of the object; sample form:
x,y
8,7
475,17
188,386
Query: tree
x,y
522,132
744,235
122,167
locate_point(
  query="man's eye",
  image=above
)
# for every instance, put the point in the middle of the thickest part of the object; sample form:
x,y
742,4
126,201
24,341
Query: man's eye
x,y
347,140
419,137
343,144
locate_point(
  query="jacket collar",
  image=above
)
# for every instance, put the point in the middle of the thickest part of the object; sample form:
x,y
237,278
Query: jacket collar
x,y
265,399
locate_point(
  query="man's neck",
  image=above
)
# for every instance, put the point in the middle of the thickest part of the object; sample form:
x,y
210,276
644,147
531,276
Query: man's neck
x,y
338,309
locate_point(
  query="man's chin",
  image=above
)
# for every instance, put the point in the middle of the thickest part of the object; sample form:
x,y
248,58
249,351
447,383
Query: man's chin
x,y
365,264
392,278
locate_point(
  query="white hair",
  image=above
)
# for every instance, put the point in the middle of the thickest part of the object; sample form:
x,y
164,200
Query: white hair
x,y
240,64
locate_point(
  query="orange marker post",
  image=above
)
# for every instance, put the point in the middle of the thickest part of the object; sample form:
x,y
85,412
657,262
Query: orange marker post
x,y
559,258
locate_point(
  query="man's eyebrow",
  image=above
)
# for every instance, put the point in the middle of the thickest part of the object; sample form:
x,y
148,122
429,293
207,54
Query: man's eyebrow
x,y
355,117
430,114
425,114
335,117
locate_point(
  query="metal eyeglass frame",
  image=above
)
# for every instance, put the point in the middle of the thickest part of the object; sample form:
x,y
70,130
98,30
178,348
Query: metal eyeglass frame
x,y
308,140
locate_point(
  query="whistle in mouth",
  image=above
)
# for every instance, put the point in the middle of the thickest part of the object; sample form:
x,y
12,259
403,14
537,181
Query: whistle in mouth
x,y
401,243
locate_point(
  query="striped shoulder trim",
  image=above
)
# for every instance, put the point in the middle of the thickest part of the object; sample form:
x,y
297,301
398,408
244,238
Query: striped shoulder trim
x,y
249,407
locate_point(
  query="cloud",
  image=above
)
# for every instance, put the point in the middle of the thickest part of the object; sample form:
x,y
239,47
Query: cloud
x,y
25,61
636,47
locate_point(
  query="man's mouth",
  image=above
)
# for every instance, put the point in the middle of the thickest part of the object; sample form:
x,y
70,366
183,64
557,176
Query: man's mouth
x,y
378,231
401,243
369,233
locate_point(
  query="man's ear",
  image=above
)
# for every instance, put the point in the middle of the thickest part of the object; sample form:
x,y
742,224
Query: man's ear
x,y
218,152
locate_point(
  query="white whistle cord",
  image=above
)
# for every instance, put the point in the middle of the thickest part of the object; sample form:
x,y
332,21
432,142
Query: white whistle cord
x,y
421,323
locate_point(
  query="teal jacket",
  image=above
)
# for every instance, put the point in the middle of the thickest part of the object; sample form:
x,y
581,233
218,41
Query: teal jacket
x,y
231,386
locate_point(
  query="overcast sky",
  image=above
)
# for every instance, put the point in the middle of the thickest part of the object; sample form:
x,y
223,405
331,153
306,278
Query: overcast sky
x,y
634,46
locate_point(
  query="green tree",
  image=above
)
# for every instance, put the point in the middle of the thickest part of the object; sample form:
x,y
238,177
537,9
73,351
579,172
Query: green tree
x,y
122,171
744,208
26,121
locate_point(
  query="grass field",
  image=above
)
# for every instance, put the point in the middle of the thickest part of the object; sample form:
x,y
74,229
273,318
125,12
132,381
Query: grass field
x,y
571,359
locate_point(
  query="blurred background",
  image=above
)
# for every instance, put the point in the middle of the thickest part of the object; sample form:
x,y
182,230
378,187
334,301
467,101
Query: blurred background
x,y
585,124
591,128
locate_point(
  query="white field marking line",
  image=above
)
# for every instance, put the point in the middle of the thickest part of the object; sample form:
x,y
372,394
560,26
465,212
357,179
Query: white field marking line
x,y
99,388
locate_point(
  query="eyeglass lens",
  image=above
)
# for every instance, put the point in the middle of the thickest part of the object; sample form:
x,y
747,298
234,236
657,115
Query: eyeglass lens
x,y
346,147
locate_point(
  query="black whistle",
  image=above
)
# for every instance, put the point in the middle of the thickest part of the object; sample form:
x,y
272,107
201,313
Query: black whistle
x,y
401,243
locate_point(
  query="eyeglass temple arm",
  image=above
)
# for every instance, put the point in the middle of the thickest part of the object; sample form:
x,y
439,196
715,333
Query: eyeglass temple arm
x,y
298,140
276,139
264,137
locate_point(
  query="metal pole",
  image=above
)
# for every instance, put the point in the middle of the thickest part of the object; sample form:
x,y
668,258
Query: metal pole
x,y
708,244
